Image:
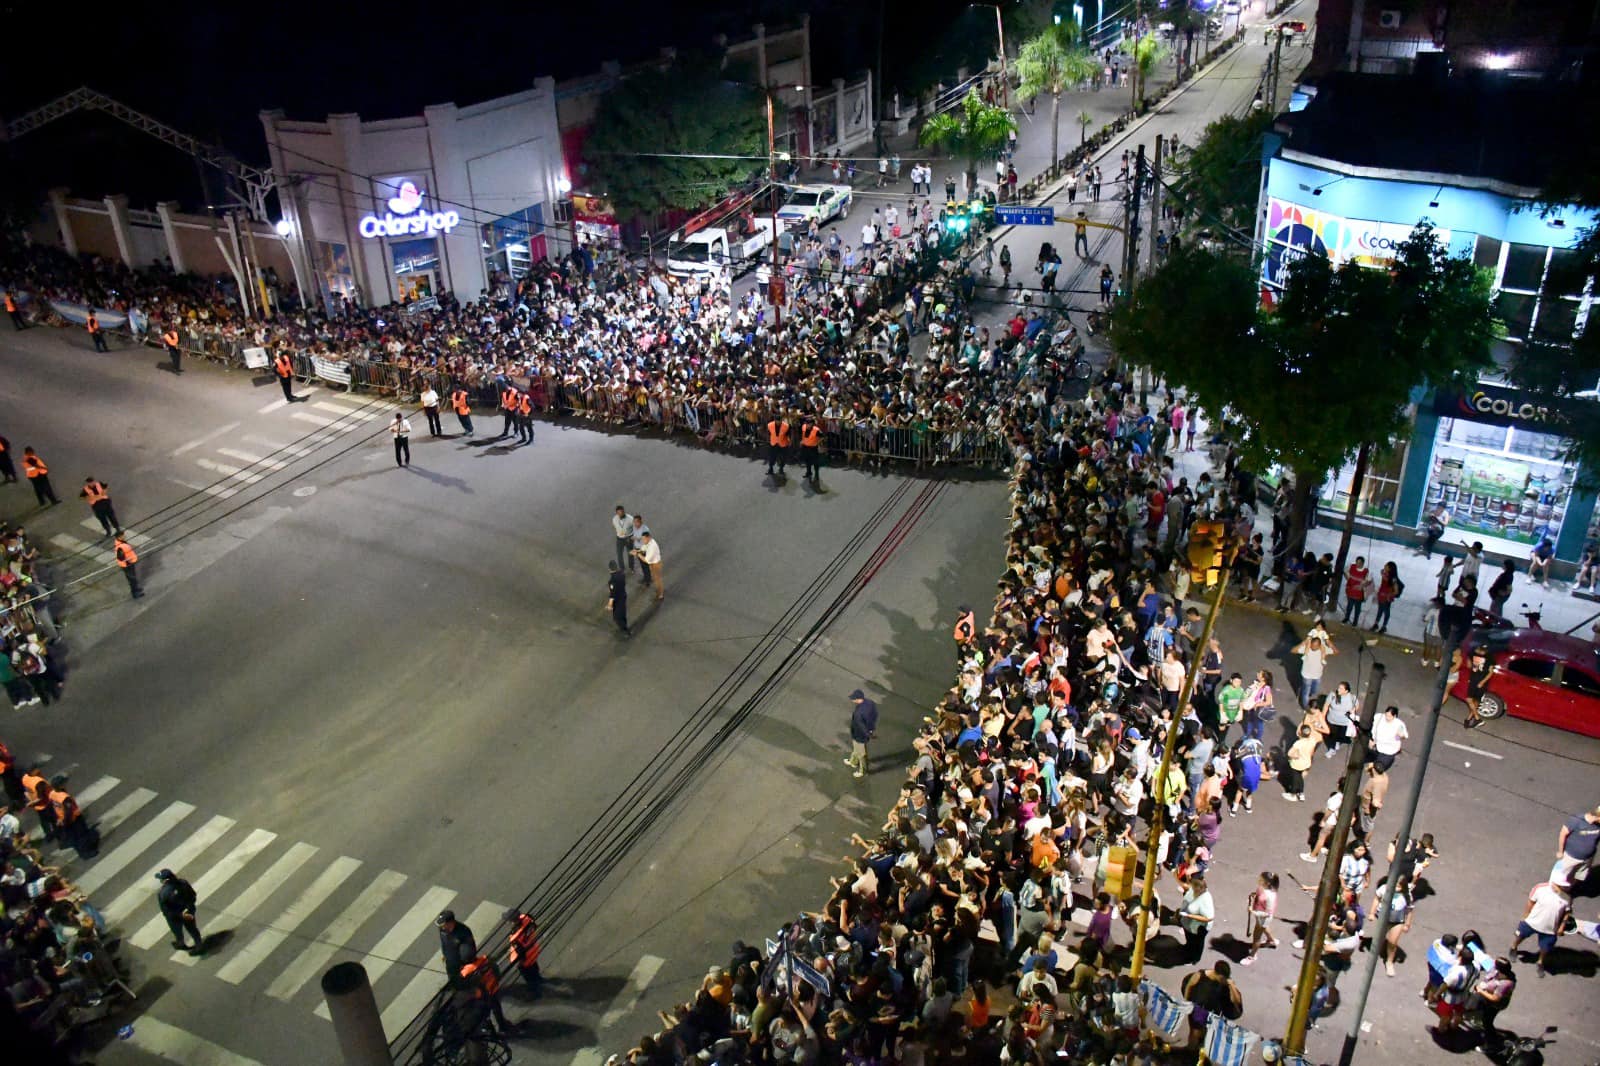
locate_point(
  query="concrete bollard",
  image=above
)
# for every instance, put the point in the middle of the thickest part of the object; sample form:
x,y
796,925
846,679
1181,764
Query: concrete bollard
x,y
355,1016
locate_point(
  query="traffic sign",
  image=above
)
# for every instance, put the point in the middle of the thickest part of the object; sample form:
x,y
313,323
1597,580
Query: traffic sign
x,y
1012,215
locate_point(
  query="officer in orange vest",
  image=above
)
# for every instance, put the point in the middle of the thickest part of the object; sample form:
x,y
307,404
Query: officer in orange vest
x,y
72,829
525,949
777,444
508,409
38,476
128,559
7,470
16,315
525,418
97,332
37,787
98,493
283,367
458,400
810,448
479,976
966,629
170,340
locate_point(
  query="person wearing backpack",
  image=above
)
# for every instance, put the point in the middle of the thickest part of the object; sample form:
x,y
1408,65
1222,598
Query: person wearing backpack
x,y
1390,588
177,901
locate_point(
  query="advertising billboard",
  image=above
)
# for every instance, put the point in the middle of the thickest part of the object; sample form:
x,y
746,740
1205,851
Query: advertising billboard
x,y
1294,231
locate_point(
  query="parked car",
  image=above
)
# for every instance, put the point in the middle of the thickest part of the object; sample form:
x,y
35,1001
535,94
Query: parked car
x,y
1539,675
821,202
1293,27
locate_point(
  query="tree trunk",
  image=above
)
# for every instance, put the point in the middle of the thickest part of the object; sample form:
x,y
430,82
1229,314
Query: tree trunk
x,y
1363,457
1301,501
1055,129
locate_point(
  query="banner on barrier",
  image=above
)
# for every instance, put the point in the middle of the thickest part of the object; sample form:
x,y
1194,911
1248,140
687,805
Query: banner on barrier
x,y
255,358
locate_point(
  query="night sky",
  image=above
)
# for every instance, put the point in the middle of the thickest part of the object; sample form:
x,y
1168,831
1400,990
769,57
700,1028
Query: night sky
x,y
208,69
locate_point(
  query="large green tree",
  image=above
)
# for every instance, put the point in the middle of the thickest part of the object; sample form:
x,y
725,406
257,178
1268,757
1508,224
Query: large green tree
x,y
675,139
971,132
1219,180
1145,53
1325,373
1054,62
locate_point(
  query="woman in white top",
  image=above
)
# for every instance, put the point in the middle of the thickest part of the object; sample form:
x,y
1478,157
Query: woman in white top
x,y
1314,653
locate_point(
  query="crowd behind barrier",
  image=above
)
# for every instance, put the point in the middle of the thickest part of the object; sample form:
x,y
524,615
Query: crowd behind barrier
x,y
30,665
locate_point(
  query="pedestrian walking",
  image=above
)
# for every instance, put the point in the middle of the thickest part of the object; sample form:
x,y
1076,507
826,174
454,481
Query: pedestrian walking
x,y
463,408
400,430
97,332
38,476
1575,848
98,495
128,560
649,553
1261,906
169,341
1341,711
622,526
457,945
1543,919
72,828
863,728
283,370
617,597
525,949
15,312
1500,590
1080,234
178,905
1390,588
8,471
430,409
1389,733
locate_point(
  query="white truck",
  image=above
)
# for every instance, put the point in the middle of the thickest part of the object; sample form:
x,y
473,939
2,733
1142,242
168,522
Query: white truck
x,y
719,248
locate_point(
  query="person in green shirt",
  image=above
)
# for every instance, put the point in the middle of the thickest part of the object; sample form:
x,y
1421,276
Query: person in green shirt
x,y
1230,698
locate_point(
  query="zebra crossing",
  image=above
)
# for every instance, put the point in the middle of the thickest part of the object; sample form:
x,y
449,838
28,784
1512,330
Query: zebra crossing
x,y
292,908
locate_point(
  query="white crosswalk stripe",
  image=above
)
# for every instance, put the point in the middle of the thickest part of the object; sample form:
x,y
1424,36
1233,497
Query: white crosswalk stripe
x,y
207,884
144,888
412,925
253,954
138,540
94,790
124,854
279,448
325,421
257,893
77,545
259,461
346,412
315,958
430,978
248,477
172,1044
280,403
126,808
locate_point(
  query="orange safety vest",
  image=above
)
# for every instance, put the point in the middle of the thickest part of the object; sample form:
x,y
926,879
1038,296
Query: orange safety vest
x,y
778,433
508,399
126,556
7,760
34,466
963,631
94,492
459,398
810,435
11,305
30,786
170,337
283,365
525,405
480,973
93,325
66,807
525,943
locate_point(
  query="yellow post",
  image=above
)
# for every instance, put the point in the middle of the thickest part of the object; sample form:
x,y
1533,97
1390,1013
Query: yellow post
x,y
1158,808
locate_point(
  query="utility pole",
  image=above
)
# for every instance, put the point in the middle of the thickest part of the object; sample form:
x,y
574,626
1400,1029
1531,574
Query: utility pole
x,y
774,283
1130,251
1155,200
1277,67
1381,905
1294,1041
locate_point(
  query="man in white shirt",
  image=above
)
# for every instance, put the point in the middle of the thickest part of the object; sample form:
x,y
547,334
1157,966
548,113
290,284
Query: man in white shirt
x,y
1388,733
400,430
1546,913
649,553
430,407
622,526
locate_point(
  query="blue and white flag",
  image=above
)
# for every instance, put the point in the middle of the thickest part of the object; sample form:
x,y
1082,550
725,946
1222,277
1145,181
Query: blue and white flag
x,y
1228,1044
1166,1011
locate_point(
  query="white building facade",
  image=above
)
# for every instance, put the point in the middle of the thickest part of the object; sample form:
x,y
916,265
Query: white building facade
x,y
396,210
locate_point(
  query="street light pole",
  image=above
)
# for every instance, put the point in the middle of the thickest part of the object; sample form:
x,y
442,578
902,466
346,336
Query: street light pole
x,y
1005,74
774,285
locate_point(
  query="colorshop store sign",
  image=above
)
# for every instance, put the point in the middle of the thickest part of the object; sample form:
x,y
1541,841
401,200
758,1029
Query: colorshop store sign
x,y
1496,406
405,217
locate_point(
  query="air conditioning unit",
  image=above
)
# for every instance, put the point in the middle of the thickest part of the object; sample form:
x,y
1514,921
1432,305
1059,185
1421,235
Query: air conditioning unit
x,y
1389,20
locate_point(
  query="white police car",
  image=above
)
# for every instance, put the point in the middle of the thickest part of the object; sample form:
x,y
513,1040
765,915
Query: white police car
x,y
821,202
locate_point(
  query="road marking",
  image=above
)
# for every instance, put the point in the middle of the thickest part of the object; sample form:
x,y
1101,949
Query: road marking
x,y
644,971
95,790
207,884
181,1046
320,951
324,421
280,404
213,435
294,915
344,412
145,886
129,805
68,542
254,895
1475,751
279,448
411,926
121,856
210,490
138,540
256,460
233,472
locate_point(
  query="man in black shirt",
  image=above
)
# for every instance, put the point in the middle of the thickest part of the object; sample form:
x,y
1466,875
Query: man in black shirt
x,y
618,598
176,899
456,944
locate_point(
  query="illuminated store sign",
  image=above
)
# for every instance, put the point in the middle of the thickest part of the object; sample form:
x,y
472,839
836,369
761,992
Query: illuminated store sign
x,y
403,219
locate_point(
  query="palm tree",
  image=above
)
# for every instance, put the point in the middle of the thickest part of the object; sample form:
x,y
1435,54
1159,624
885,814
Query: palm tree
x,y
1052,63
1145,52
971,132
1085,120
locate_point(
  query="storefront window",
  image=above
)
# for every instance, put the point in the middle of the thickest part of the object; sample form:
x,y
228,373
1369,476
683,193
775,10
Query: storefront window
x,y
416,268
338,277
1504,485
514,242
1380,489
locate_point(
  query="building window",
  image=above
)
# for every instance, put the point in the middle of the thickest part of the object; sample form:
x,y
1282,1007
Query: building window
x,y
1524,267
513,243
1486,254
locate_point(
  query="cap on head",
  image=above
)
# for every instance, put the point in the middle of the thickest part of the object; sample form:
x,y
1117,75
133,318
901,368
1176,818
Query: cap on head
x,y
445,918
858,695
164,875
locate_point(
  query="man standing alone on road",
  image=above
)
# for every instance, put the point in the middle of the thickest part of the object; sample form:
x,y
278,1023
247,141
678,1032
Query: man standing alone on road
x,y
400,430
38,476
622,526
169,341
617,599
863,727
463,406
98,494
177,901
128,559
283,368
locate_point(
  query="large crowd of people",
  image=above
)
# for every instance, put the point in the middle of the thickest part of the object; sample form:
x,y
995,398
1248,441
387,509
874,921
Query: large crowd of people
x,y
29,658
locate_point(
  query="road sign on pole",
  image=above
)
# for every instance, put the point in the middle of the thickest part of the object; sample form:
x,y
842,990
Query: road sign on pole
x,y
1012,215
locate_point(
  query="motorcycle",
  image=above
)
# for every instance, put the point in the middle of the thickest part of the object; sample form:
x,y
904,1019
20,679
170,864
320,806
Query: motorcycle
x,y
1509,1049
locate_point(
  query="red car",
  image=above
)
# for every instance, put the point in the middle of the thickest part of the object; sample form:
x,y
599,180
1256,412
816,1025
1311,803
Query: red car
x,y
1541,676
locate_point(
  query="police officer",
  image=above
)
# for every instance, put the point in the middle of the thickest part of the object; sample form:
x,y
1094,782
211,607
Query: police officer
x,y
169,340
38,476
456,944
480,978
98,493
128,559
777,443
508,409
177,901
463,409
97,332
14,312
810,448
525,949
283,369
37,788
617,598
525,418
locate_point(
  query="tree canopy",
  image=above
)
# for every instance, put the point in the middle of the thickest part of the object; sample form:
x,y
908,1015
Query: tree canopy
x,y
1219,180
1054,62
653,133
973,131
